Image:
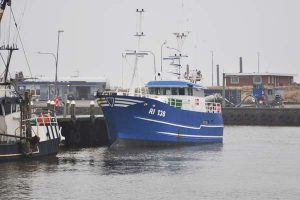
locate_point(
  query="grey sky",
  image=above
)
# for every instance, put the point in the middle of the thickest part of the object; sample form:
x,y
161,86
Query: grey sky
x,y
98,31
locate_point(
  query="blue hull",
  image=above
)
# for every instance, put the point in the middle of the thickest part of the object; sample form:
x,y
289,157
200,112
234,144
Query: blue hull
x,y
140,119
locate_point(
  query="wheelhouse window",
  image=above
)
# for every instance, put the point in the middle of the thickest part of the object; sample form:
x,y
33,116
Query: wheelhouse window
x,y
7,108
168,91
14,108
235,80
18,108
174,91
181,91
190,91
151,91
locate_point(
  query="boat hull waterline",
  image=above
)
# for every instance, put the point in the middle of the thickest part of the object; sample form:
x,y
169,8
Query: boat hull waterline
x,y
10,152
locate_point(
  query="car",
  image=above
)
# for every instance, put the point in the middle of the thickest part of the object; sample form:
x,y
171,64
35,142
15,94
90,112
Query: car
x,y
70,97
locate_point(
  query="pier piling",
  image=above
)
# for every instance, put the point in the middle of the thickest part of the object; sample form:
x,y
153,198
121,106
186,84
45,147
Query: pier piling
x,y
72,110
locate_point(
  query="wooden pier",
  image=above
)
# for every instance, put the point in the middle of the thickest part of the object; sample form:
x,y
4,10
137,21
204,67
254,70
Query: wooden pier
x,y
83,130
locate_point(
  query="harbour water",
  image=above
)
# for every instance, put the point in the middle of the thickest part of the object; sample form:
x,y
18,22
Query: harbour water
x,y
252,163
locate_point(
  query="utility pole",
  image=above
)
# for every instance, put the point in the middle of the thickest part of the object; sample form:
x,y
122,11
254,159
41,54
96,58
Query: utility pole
x,y
56,64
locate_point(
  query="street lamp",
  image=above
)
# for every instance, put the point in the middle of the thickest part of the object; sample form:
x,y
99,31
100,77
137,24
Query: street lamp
x,y
48,53
153,60
173,49
161,55
58,34
55,59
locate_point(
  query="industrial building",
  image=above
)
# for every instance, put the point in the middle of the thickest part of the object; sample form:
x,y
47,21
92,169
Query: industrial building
x,y
74,88
266,79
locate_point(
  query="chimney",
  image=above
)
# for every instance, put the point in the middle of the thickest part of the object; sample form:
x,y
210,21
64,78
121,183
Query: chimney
x,y
241,65
218,75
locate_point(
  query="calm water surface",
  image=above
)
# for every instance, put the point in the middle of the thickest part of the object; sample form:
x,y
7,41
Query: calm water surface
x,y
252,163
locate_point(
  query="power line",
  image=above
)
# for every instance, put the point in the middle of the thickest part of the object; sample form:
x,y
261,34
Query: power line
x,y
20,22
26,58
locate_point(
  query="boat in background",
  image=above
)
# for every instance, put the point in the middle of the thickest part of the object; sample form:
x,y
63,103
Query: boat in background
x,y
23,134
165,112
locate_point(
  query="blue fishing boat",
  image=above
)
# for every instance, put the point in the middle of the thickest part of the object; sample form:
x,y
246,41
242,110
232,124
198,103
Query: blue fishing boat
x,y
164,111
172,112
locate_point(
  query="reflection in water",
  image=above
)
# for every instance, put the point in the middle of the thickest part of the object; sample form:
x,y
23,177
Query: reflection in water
x,y
22,180
146,160
16,178
253,163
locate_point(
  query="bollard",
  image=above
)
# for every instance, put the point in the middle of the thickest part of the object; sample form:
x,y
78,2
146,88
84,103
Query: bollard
x,y
65,107
92,110
68,107
72,110
52,106
48,104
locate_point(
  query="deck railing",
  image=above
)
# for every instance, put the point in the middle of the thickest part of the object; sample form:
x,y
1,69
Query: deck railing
x,y
211,107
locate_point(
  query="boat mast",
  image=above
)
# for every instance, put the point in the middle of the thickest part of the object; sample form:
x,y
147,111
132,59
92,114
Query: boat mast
x,y
3,4
10,50
139,34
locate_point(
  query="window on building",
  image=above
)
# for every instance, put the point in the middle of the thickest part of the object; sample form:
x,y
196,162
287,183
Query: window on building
x,y
257,80
38,92
270,92
235,80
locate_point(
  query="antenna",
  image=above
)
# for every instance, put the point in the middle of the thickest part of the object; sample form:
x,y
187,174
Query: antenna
x,y
139,32
176,58
180,37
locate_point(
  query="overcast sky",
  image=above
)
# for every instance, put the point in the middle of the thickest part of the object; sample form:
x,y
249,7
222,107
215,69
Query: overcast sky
x,y
97,32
